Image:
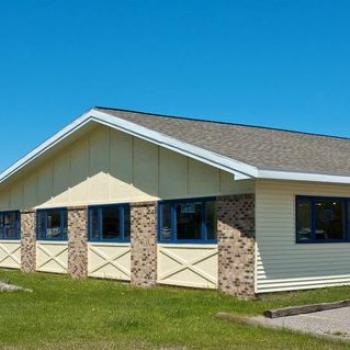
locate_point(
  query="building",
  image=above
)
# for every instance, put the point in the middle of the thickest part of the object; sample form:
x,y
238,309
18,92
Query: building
x,y
156,199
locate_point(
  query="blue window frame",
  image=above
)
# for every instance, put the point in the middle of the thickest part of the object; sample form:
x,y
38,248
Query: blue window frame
x,y
187,221
51,224
10,225
322,219
109,223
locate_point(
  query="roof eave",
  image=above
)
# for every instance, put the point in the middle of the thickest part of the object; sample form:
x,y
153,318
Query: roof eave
x,y
240,170
302,176
46,145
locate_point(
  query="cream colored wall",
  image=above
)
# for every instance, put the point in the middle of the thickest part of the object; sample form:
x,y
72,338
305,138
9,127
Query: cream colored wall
x,y
52,256
107,166
10,254
282,264
189,265
109,260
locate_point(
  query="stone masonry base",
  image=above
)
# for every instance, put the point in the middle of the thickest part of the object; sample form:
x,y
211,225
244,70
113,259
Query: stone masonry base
x,y
77,242
28,247
143,244
236,244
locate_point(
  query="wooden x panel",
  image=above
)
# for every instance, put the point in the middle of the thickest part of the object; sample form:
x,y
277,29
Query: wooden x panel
x,y
10,254
52,256
109,260
188,265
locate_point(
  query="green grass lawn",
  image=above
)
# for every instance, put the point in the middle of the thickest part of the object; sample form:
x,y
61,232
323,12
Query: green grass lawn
x,y
62,313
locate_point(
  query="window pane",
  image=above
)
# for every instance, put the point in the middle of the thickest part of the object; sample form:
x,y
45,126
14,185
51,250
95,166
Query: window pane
x,y
165,230
303,220
53,228
41,224
110,223
94,224
329,219
8,225
188,220
127,223
1,225
210,213
65,224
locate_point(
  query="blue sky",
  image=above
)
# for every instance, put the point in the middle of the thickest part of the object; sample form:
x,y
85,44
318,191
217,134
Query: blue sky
x,y
279,63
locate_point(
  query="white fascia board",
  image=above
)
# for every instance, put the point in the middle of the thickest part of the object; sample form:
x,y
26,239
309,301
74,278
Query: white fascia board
x,y
238,169
45,146
300,176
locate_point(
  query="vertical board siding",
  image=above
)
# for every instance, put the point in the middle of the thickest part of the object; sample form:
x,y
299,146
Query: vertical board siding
x,y
108,166
172,168
188,265
281,263
109,260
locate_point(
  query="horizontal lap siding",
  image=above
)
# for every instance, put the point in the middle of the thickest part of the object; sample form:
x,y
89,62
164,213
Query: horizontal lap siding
x,y
281,264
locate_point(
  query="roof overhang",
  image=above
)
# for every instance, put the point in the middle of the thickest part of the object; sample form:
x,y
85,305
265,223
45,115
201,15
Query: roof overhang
x,y
240,170
300,176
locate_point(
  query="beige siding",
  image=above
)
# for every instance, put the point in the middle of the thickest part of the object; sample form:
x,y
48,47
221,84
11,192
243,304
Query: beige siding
x,y
281,263
106,166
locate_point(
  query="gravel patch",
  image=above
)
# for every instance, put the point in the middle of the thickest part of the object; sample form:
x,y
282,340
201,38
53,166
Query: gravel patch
x,y
334,323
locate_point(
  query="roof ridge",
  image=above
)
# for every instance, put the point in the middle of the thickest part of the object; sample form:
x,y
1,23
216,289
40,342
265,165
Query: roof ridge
x,y
159,115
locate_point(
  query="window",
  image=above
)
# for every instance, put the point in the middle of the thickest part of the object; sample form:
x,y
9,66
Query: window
x,y
191,220
10,225
321,219
52,224
109,223
303,220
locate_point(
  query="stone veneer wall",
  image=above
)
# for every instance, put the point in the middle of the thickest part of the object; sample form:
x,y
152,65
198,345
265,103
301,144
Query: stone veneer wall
x,y
28,246
143,244
236,244
77,242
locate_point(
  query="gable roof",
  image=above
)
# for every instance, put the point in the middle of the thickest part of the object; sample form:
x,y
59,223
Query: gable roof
x,y
245,151
263,148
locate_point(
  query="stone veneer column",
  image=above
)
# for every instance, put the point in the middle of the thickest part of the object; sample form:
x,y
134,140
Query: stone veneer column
x,y
77,242
143,244
28,246
236,244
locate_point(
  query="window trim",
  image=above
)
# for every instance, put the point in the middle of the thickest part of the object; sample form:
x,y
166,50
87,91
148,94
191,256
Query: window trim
x,y
121,207
17,225
62,211
173,240
346,218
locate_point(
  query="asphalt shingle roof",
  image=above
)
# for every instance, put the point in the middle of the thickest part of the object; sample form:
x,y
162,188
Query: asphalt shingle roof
x,y
264,148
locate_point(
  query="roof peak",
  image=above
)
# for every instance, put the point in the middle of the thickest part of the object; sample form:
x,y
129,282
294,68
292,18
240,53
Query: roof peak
x,y
159,115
